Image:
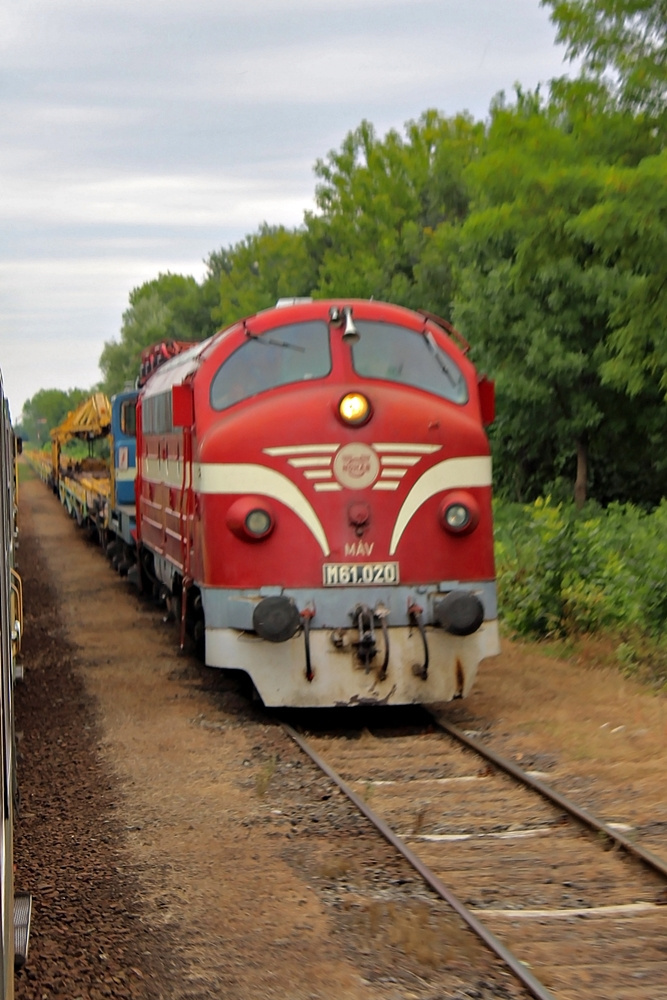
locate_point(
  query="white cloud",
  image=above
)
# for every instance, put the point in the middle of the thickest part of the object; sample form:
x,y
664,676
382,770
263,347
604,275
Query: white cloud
x,y
174,201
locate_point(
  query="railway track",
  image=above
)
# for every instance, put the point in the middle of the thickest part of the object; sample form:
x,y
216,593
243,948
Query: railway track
x,y
571,905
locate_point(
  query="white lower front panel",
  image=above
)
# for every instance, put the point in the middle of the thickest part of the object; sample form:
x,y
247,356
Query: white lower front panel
x,y
278,670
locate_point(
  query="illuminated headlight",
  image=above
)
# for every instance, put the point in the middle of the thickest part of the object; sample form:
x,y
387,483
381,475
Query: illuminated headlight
x,y
459,513
354,408
258,522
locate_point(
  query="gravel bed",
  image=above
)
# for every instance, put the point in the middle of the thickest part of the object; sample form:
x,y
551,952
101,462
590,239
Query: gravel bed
x,y
88,939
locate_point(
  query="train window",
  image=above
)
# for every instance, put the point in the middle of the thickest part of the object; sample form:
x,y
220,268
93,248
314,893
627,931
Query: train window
x,y
164,418
394,353
156,414
128,417
148,416
294,353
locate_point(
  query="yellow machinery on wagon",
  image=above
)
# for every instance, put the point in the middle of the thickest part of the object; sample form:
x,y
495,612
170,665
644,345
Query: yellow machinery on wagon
x,y
83,485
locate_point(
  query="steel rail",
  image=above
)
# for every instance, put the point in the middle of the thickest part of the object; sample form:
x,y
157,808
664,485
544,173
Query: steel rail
x,y
517,967
650,859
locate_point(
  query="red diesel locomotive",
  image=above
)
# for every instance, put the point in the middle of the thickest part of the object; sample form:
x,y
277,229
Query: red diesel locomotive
x,y
314,492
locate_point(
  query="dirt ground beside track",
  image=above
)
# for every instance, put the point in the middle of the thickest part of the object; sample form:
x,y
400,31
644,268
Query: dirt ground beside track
x,y
196,848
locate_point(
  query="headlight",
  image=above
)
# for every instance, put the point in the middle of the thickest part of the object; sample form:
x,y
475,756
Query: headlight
x,y
251,519
258,522
354,408
457,516
459,513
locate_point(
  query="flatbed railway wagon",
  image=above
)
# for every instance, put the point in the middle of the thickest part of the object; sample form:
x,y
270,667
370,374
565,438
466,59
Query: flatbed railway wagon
x,y
82,485
313,491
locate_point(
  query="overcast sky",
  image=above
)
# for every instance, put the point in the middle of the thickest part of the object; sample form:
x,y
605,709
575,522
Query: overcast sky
x,y
138,135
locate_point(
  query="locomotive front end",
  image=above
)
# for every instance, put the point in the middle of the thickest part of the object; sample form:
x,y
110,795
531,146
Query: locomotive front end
x,y
342,543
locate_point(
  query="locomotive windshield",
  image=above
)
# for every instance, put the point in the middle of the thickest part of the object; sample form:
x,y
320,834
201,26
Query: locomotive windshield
x,y
295,353
397,354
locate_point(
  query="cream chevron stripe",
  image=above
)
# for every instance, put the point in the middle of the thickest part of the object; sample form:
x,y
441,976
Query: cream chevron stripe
x,y
400,460
307,463
406,449
302,449
453,473
241,478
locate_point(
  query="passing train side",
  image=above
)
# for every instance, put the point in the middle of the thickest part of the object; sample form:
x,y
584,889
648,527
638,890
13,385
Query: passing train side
x,y
15,907
312,496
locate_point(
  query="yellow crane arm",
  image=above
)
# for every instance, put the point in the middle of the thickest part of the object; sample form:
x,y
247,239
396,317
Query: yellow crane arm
x,y
90,420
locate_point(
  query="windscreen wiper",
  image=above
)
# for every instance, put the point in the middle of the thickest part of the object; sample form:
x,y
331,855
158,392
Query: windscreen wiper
x,y
442,359
262,339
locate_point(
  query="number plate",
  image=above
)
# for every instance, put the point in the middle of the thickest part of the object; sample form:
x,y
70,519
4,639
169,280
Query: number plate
x,y
360,574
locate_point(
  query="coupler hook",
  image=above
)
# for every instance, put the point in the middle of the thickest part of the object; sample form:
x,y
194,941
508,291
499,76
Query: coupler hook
x,y
415,613
366,646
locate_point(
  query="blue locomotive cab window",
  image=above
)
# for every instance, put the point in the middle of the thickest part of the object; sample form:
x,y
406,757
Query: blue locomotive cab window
x,y
296,353
128,417
396,354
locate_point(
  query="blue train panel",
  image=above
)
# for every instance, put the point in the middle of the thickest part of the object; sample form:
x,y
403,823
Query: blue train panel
x,y
124,444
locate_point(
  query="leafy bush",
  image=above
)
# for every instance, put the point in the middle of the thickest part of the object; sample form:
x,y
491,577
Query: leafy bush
x,y
563,572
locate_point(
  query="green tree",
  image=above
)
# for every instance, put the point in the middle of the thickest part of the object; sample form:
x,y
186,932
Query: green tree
x,y
46,410
537,291
253,274
387,209
171,307
144,323
624,38
189,307
628,229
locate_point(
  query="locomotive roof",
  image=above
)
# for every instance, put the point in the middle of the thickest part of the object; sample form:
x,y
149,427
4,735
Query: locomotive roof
x,y
176,370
